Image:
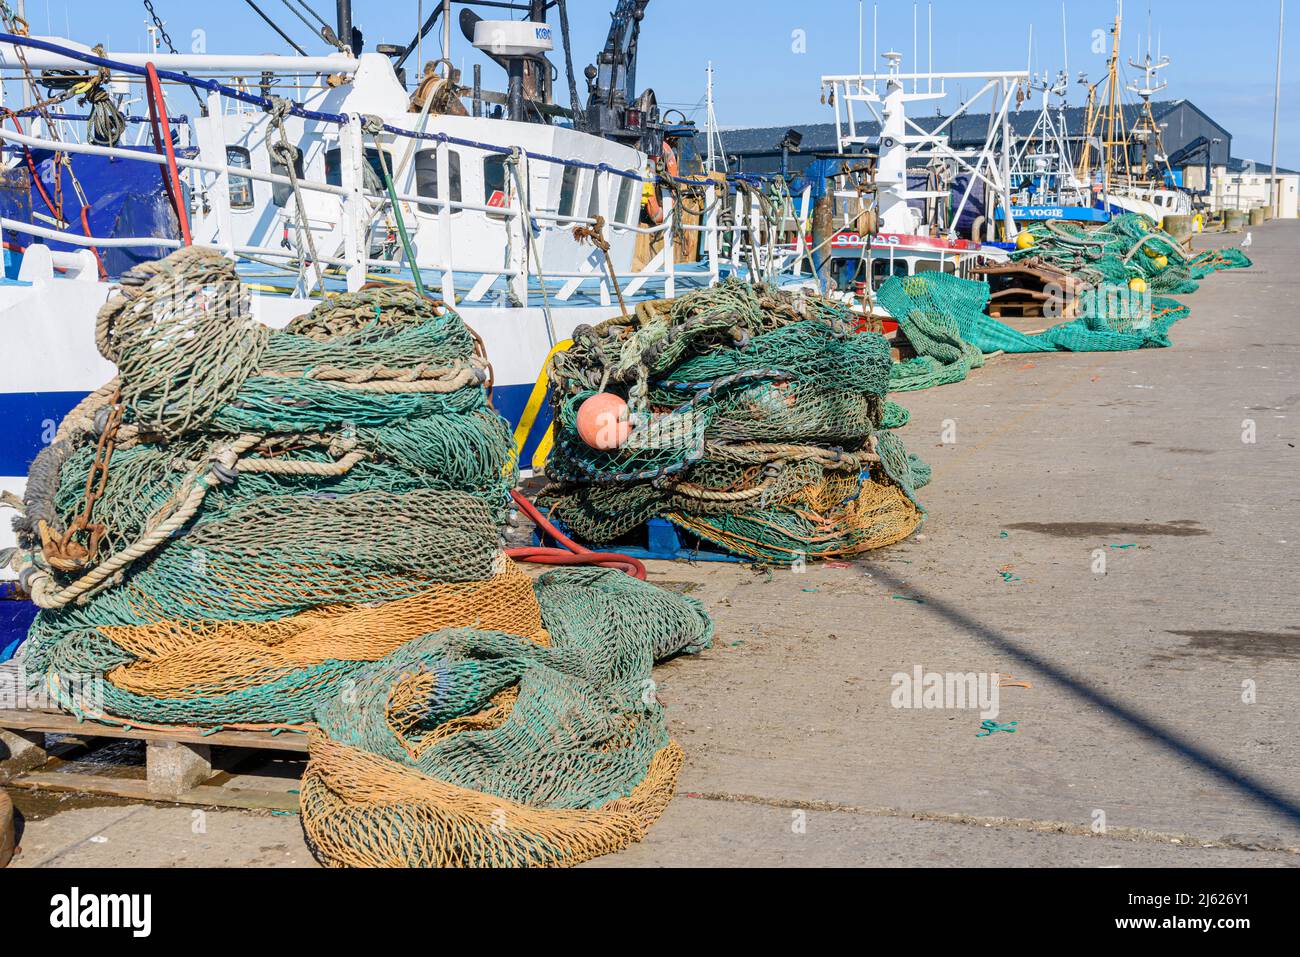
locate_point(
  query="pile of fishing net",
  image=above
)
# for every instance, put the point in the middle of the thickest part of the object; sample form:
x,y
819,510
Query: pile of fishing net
x,y
300,530
756,420
944,317
944,320
1128,247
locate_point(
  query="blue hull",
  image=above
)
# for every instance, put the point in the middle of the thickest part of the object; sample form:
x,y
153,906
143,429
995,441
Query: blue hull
x,y
1075,214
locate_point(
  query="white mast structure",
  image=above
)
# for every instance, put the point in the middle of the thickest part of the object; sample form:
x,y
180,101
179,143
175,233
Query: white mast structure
x,y
715,154
902,139
1144,128
1044,155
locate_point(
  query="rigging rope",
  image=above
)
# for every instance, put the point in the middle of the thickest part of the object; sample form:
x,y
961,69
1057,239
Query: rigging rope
x,y
287,155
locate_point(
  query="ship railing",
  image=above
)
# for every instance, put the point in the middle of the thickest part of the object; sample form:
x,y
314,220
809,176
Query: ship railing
x,y
211,181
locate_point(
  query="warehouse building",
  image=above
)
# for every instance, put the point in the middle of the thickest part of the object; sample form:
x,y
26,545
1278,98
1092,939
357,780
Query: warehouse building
x,y
1199,150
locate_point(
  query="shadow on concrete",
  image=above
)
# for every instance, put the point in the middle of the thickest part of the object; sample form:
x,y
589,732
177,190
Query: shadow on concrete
x,y
1243,782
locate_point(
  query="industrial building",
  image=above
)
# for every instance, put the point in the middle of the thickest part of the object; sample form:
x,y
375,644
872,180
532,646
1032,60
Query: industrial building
x,y
1199,150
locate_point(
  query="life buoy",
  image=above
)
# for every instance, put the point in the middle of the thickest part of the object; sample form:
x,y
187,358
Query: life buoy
x,y
651,193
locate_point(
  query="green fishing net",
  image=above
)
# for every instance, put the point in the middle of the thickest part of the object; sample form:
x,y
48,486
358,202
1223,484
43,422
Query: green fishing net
x,y
756,418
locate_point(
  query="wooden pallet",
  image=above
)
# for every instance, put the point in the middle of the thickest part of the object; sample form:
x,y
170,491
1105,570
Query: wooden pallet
x,y
1020,290
181,766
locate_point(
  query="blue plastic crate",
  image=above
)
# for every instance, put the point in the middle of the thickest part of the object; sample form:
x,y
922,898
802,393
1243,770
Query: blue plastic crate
x,y
657,540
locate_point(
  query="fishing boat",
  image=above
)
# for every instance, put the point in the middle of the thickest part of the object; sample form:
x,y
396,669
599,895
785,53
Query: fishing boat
x,y
1127,167
1046,185
320,174
903,200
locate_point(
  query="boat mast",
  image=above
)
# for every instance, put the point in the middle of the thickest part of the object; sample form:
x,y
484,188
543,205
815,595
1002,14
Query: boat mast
x,y
1146,128
711,132
446,32
1115,133
1089,126
343,9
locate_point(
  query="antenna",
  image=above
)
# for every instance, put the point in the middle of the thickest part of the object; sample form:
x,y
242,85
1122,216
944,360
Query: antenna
x,y
1065,40
875,47
860,3
915,81
446,31
929,67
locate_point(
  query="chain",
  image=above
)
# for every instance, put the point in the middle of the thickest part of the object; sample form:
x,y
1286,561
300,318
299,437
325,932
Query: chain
x,y
595,233
63,552
158,25
17,24
166,38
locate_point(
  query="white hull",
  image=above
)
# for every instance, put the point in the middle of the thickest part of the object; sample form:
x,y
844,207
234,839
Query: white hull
x,y
1154,204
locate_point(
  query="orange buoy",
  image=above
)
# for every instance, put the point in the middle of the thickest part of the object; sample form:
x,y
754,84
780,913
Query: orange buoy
x,y
651,193
603,421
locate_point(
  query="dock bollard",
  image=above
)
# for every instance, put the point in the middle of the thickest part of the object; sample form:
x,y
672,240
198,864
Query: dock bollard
x,y
1179,227
1257,216
1232,220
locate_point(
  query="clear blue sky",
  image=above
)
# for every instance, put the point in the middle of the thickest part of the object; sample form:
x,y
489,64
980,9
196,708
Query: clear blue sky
x,y
1223,50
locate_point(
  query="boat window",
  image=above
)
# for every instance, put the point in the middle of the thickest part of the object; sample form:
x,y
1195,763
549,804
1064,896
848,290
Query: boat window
x,y
627,214
373,171
371,174
593,204
281,192
882,269
494,181
241,187
426,179
569,191
933,265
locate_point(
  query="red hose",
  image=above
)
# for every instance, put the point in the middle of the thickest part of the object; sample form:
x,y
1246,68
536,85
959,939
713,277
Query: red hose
x,y
163,144
572,553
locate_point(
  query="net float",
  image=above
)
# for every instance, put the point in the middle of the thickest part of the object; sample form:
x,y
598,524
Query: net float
x,y
603,421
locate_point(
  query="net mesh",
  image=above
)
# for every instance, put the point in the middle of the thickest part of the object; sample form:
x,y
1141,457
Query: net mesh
x,y
300,529
1128,247
944,317
760,424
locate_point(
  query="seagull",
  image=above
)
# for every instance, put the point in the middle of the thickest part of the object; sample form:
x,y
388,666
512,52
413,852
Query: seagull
x,y
1245,243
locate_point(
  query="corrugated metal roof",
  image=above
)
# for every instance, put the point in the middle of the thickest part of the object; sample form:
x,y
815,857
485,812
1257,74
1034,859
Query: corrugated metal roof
x,y
1237,164
968,130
